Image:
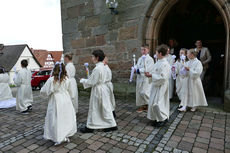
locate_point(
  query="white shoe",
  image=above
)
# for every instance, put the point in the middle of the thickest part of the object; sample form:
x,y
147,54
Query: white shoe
x,y
182,109
67,140
193,109
57,143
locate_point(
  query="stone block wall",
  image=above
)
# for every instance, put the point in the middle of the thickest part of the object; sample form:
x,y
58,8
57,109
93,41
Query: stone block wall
x,y
88,25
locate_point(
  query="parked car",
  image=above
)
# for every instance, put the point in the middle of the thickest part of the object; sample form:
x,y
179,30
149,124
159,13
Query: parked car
x,y
39,78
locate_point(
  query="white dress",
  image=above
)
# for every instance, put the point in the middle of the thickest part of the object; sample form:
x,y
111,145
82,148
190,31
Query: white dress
x,y
170,60
100,114
193,92
143,86
60,120
110,85
24,96
6,98
71,71
159,98
180,77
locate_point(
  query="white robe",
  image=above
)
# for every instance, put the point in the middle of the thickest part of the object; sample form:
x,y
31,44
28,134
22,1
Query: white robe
x,y
159,98
110,85
71,71
181,78
143,86
193,92
5,92
60,120
24,96
100,114
6,98
170,60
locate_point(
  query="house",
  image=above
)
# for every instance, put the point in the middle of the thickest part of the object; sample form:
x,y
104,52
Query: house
x,y
12,55
47,59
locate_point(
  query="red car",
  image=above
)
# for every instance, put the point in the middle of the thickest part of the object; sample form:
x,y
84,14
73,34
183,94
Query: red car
x,y
39,78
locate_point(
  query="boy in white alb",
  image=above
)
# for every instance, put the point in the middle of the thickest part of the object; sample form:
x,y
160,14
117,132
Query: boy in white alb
x,y
158,110
110,84
71,71
24,96
100,114
143,86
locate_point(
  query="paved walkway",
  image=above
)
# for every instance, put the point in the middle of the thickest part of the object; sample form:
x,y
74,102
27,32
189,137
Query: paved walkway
x,y
206,130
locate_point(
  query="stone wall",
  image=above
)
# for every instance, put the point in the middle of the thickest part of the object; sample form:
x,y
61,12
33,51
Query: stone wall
x,y
89,25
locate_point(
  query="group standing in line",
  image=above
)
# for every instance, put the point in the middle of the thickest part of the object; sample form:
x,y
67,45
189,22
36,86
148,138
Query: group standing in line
x,y
154,89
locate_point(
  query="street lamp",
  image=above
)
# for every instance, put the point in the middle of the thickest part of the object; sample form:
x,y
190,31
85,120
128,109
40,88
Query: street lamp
x,y
112,5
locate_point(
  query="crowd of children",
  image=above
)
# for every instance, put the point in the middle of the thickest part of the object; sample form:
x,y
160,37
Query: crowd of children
x,y
154,89
186,71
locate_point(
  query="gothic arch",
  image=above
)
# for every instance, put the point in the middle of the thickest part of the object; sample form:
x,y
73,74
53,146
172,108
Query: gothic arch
x,y
155,14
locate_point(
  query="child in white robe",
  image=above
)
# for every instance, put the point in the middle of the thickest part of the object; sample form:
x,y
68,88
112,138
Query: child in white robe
x,y
24,96
194,93
71,71
143,86
60,120
100,114
6,98
171,60
179,65
110,84
158,110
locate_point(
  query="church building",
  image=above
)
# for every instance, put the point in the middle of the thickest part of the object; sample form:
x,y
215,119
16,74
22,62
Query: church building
x,y
120,27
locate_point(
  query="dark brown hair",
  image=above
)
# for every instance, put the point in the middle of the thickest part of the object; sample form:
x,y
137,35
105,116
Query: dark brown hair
x,y
56,72
186,51
163,49
145,46
100,54
2,70
24,63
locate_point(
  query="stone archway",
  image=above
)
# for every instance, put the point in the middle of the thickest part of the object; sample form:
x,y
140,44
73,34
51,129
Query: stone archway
x,y
157,12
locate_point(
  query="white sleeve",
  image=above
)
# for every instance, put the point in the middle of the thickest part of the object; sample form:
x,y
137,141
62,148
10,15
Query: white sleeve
x,y
92,81
48,88
159,79
196,71
18,79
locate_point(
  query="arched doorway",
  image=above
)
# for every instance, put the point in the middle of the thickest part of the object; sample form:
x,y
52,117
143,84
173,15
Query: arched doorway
x,y
163,16
188,21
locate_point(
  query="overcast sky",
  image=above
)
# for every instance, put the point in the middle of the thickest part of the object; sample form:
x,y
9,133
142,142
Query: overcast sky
x,y
33,22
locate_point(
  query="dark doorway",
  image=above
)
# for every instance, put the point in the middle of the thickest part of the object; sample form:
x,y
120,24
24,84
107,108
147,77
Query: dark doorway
x,y
191,20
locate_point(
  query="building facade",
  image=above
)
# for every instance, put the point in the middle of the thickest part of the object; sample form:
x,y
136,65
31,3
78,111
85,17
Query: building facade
x,y
11,57
89,25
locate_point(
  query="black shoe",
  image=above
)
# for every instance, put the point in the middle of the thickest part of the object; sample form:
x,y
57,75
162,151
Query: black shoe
x,y
25,112
179,107
114,114
162,123
110,129
154,123
86,130
29,108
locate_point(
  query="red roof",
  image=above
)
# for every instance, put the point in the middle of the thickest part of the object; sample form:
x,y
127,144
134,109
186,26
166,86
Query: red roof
x,y
41,55
56,55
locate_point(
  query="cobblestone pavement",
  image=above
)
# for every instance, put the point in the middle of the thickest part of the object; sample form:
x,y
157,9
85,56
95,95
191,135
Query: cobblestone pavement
x,y
206,130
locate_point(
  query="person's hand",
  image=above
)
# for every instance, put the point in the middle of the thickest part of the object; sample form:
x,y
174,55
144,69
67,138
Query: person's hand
x,y
187,68
147,74
135,70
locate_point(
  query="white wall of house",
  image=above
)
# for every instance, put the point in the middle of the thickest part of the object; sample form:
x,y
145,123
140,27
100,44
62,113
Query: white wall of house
x,y
32,64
